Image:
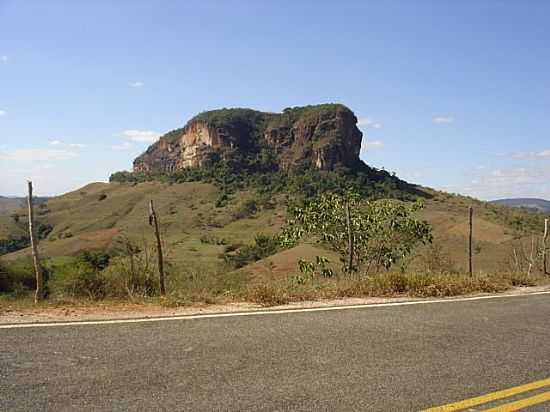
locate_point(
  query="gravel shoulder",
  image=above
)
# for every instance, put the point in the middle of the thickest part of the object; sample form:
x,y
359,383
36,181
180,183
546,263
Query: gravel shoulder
x,y
12,314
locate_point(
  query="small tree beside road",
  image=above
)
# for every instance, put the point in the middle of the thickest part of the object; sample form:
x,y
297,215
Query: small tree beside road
x,y
369,235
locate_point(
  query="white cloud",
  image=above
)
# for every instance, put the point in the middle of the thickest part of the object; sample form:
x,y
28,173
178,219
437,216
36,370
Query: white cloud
x,y
122,146
59,143
148,136
528,155
531,181
3,113
4,59
137,84
365,122
442,119
33,155
371,144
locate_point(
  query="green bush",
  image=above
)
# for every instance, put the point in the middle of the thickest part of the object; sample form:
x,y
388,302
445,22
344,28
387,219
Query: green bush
x,y
16,277
262,247
78,279
80,276
246,209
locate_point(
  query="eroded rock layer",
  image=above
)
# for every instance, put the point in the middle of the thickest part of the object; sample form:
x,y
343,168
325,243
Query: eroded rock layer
x,y
324,136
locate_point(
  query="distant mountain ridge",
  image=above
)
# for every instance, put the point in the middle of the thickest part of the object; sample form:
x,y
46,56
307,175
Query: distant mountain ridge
x,y
540,205
9,204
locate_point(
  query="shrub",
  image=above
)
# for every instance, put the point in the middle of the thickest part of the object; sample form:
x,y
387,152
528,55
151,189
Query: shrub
x,y
213,240
16,278
262,247
78,279
80,276
246,209
375,234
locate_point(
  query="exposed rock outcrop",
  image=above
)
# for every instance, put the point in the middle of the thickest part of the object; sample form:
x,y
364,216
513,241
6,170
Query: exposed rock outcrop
x,y
323,136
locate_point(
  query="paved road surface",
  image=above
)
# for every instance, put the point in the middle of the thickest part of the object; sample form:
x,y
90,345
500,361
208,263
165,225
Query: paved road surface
x,y
401,358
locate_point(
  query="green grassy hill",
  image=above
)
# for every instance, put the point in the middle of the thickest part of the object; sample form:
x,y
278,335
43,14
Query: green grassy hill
x,y
197,233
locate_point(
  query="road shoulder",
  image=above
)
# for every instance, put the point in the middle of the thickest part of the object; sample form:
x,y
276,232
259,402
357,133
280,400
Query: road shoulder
x,y
99,312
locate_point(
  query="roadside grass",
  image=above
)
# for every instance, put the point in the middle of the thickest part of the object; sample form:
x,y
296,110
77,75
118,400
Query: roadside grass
x,y
414,285
213,285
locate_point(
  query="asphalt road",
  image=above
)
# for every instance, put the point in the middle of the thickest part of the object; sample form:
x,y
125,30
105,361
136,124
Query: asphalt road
x,y
402,358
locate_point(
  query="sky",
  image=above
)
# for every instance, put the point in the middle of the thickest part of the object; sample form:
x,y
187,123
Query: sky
x,y
453,95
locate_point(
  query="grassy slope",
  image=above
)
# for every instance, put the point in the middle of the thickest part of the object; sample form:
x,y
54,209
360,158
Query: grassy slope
x,y
94,216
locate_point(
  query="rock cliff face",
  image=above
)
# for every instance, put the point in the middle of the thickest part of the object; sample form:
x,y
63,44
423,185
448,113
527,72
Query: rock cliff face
x,y
323,136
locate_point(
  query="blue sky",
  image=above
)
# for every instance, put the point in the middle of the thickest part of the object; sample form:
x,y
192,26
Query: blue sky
x,y
450,94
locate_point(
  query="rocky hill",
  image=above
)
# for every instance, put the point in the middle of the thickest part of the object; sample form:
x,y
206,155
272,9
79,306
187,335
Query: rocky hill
x,y
323,136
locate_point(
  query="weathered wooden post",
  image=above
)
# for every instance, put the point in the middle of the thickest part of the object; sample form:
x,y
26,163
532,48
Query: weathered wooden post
x,y
153,221
470,238
350,238
544,238
39,294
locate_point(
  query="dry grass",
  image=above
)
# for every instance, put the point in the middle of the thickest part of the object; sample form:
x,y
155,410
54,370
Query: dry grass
x,y
387,285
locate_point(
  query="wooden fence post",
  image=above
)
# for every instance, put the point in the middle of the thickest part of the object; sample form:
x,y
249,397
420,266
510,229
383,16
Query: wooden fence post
x,y
350,238
39,294
544,238
153,221
470,236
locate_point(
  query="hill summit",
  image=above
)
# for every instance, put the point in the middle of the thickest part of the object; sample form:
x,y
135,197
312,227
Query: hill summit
x,y
322,136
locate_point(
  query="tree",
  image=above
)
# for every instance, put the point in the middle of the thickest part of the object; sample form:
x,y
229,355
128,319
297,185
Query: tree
x,y
369,234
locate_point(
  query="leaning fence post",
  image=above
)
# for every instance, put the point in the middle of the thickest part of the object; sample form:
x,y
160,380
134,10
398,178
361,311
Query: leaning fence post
x,y
39,294
153,221
544,238
470,236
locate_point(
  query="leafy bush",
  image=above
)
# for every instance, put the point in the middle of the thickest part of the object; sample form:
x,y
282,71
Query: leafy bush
x,y
374,235
16,278
246,209
262,247
78,279
80,276
213,240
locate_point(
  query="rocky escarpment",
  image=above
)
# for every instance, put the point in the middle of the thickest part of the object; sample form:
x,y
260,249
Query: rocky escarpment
x,y
323,136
